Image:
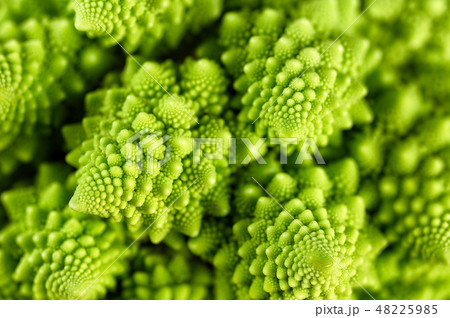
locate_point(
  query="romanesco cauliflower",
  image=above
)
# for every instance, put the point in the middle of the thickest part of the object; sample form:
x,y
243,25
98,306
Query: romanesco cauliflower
x,y
48,251
136,160
177,178
292,81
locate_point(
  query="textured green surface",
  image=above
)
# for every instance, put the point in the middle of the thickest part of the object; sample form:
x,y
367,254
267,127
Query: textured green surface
x,y
288,86
104,194
124,168
49,251
307,249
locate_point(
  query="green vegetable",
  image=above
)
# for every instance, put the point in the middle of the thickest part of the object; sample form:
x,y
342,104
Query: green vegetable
x,y
48,251
411,279
20,10
413,190
292,82
136,160
209,149
156,274
304,241
41,66
144,25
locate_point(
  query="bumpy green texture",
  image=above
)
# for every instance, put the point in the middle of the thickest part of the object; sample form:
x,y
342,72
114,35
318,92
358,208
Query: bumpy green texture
x,y
329,16
405,28
156,200
144,25
158,273
396,111
41,66
20,10
414,192
48,251
292,81
135,153
411,279
306,240
403,157
414,36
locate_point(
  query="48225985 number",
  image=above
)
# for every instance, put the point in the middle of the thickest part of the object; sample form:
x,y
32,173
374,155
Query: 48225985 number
x,y
407,309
